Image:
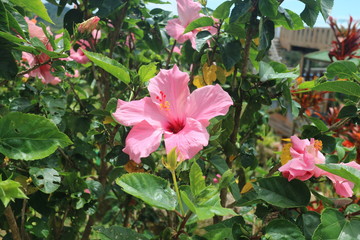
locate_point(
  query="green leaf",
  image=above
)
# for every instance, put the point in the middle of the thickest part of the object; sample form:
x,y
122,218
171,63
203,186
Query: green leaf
x,y
223,10
9,190
46,179
11,37
199,23
201,38
319,124
152,189
8,65
268,8
37,226
283,229
348,111
308,222
146,72
4,21
197,181
347,172
325,8
310,14
334,226
267,33
349,88
240,10
279,192
341,69
119,232
34,6
29,137
230,53
110,65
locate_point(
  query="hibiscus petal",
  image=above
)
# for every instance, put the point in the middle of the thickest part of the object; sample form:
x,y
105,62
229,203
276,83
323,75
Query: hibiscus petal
x,y
298,145
188,11
208,102
142,140
170,88
134,112
189,141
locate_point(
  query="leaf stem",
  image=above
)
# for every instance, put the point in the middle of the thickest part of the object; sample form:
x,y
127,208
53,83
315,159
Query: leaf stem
x,y
177,192
170,54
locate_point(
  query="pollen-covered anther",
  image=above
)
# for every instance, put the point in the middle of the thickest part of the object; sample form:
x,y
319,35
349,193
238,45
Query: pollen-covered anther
x,y
164,105
318,145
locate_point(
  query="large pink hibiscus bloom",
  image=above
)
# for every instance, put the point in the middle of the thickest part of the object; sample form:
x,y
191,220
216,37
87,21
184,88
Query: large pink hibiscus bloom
x,y
305,154
173,112
188,11
43,72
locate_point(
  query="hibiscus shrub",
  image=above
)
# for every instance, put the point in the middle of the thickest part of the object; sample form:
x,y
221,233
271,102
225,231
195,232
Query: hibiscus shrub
x,y
129,122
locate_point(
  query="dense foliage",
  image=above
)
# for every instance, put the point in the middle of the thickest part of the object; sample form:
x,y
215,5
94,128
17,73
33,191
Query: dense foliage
x,y
127,122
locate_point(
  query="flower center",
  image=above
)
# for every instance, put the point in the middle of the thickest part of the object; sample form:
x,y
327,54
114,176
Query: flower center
x,y
318,145
164,105
175,126
285,154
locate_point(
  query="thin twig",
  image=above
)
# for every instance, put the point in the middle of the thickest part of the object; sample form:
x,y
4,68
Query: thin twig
x,y
33,68
12,223
169,56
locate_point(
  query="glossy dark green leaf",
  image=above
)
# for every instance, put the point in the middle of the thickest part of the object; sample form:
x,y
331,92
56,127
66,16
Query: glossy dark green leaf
x,y
278,191
119,232
29,137
223,10
308,222
281,229
11,37
110,65
341,69
328,142
269,8
319,124
334,226
288,19
37,226
198,23
34,6
230,53
348,111
310,14
8,65
201,39
325,8
46,179
240,9
152,189
349,88
4,21
267,33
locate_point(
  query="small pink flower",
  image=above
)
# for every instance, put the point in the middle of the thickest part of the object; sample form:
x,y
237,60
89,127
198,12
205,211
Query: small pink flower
x,y
342,186
173,112
79,55
87,191
305,154
188,11
215,180
218,176
89,25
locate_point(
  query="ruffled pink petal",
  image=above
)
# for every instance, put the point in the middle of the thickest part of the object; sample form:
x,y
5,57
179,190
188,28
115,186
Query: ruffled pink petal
x,y
189,141
46,76
176,30
296,168
79,55
142,140
35,31
298,145
134,112
169,91
208,102
188,11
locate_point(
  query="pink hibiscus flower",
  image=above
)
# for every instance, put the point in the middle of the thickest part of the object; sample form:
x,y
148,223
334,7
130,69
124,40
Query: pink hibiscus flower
x,y
342,186
305,154
43,72
173,112
188,11
79,55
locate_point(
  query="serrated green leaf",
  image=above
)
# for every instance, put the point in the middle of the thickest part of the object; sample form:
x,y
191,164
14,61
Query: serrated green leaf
x,y
349,88
9,190
278,191
34,6
11,37
310,14
325,8
283,229
146,72
152,189
334,226
29,137
199,23
348,111
197,181
223,10
319,124
341,69
308,222
46,179
110,65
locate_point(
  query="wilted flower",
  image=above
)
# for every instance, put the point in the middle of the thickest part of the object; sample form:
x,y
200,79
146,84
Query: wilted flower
x,y
173,112
89,25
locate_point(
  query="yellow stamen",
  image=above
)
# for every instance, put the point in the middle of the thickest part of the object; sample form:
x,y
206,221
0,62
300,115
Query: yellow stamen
x,y
285,154
318,145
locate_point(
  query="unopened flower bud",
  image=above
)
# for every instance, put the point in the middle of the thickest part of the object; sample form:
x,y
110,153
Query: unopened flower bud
x,y
89,25
172,160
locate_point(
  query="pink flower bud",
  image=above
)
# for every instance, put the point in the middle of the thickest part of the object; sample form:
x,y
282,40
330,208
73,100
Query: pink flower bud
x,y
89,25
218,175
87,191
215,180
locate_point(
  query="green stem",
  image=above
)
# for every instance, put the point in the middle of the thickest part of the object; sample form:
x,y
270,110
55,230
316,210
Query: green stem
x,y
177,192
